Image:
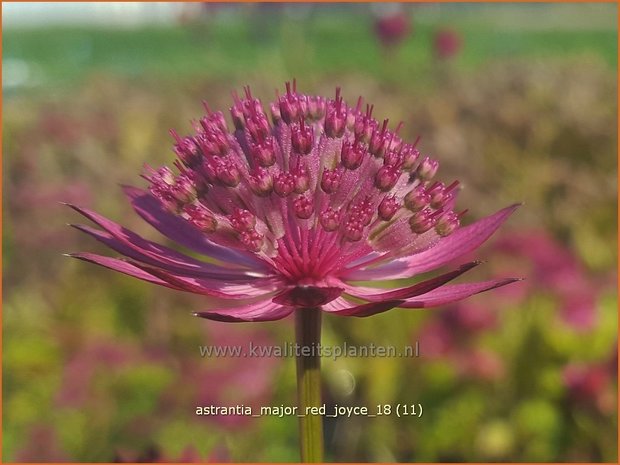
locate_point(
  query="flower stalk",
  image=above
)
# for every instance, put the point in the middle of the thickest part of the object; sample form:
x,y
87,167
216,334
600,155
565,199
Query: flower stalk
x,y
308,336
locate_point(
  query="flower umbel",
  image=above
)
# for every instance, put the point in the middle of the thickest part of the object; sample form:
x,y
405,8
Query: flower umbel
x,y
294,209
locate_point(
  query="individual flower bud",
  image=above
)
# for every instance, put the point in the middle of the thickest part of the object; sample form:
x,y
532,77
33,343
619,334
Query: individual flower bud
x,y
330,181
263,152
387,177
261,182
213,143
395,142
284,184
363,212
447,224
449,195
252,240
187,151
330,219
208,170
303,207
183,189
301,179
316,107
162,181
242,220
352,155
290,110
417,199
335,117
200,217
388,208
427,169
410,156
302,138
379,140
227,173
392,157
436,193
209,125
257,126
422,221
364,127
164,175
353,230
215,118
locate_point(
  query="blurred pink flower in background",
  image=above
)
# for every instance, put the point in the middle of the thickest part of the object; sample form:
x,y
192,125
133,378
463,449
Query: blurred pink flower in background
x,y
447,43
452,335
470,318
230,380
552,268
66,131
436,338
42,199
41,445
591,385
484,365
392,27
447,332
97,358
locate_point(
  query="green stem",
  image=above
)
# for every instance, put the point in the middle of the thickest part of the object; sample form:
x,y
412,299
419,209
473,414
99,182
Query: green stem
x,y
308,334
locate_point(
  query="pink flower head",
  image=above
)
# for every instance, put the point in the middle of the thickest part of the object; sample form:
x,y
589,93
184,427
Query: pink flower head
x,y
590,385
392,28
479,364
292,210
447,43
555,269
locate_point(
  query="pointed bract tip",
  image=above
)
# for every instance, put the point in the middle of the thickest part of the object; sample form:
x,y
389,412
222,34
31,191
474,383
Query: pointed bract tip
x,y
507,281
469,266
73,206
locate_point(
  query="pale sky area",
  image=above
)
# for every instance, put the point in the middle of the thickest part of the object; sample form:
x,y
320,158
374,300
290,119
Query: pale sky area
x,y
126,13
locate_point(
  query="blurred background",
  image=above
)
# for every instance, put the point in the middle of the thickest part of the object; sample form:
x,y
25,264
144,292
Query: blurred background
x,y
518,101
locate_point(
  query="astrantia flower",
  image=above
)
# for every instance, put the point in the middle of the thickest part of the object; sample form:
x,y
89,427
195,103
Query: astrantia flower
x,y
292,210
447,43
392,27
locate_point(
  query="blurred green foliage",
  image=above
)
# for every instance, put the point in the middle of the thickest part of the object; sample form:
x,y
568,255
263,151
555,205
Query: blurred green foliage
x,y
99,367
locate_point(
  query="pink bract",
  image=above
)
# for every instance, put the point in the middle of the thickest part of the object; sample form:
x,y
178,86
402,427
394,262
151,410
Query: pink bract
x,y
293,210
